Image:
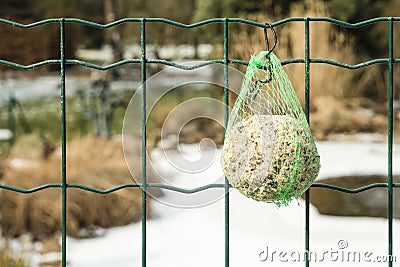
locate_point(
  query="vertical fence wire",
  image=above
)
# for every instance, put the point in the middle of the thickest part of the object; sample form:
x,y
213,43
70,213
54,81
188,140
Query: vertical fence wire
x,y
226,109
63,148
307,111
144,180
390,141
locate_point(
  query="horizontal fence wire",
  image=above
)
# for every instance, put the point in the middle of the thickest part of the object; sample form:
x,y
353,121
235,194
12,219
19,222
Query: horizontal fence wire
x,y
200,23
188,26
178,189
143,61
191,67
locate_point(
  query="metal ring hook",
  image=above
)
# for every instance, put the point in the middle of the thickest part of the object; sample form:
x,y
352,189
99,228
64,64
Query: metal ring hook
x,y
269,72
266,38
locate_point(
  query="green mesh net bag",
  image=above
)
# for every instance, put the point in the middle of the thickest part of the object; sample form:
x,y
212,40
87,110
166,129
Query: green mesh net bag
x,y
269,153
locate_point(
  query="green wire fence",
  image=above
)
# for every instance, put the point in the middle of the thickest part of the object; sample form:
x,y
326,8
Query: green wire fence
x,y
390,60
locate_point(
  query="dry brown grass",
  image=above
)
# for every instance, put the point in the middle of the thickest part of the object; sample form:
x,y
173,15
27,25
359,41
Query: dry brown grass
x,y
328,84
325,42
6,260
347,116
92,161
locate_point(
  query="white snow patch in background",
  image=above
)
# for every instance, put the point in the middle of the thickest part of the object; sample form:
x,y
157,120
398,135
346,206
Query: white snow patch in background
x,y
354,158
5,134
195,237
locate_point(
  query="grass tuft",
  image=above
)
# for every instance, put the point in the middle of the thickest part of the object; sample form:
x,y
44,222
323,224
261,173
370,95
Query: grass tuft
x,y
92,161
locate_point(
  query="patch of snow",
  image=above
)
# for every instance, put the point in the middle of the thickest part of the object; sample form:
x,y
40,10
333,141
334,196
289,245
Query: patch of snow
x,y
359,137
195,237
105,54
5,134
354,158
24,89
51,257
18,163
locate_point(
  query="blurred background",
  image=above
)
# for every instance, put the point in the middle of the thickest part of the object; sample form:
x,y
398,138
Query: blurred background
x,y
345,105
363,91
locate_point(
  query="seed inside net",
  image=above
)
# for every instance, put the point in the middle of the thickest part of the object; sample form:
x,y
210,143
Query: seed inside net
x,y
271,158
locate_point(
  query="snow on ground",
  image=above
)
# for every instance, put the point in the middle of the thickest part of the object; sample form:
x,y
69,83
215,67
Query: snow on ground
x,y
105,54
195,236
5,134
